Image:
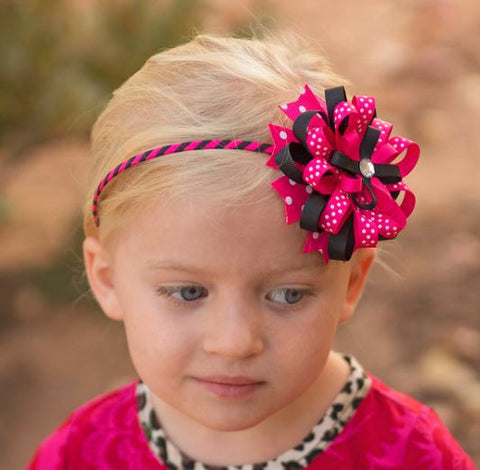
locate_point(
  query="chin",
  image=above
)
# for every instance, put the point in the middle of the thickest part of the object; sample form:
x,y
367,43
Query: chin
x,y
230,422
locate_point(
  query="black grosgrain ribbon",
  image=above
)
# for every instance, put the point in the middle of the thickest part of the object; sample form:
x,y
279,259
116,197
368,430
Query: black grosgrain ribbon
x,y
340,246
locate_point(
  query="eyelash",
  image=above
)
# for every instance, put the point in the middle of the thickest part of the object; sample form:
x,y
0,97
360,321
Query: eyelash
x,y
168,291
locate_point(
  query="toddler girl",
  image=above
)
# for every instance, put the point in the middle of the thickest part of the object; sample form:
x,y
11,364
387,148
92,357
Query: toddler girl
x,y
235,203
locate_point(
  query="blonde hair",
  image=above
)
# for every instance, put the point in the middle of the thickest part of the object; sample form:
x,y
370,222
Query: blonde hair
x,y
212,87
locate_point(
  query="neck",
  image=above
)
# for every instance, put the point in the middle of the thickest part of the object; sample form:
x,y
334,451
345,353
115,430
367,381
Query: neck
x,y
263,441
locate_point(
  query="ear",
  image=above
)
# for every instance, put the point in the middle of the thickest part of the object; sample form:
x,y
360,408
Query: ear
x,y
360,268
100,277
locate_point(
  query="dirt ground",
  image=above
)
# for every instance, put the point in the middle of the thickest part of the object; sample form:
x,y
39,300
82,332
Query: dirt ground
x,y
418,324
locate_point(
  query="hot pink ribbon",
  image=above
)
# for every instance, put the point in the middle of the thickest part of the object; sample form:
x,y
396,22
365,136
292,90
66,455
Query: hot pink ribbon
x,y
388,218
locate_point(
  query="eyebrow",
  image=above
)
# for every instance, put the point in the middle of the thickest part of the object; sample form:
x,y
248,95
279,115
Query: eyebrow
x,y
165,265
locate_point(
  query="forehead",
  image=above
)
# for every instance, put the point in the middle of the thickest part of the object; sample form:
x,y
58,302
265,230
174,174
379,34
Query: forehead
x,y
217,237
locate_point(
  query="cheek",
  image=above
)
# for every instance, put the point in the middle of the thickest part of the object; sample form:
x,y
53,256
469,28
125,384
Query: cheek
x,y
304,347
158,341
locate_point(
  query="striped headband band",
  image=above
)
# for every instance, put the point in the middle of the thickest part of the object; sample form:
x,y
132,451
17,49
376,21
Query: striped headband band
x,y
338,179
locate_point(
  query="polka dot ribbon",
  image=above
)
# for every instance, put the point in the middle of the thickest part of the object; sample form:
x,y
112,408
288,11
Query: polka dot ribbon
x,y
340,180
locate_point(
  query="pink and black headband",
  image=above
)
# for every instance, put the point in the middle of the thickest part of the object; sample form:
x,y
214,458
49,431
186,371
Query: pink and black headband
x,y
339,180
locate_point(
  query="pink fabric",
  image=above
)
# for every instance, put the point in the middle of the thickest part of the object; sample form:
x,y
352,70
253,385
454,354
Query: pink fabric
x,y
389,430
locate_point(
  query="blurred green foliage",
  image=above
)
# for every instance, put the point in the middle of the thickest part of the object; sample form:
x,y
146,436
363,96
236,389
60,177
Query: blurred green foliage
x,y
61,59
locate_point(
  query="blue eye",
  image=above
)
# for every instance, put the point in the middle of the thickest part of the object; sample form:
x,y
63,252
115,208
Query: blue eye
x,y
190,293
292,295
187,293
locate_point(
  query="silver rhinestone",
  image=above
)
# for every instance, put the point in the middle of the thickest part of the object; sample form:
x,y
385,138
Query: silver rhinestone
x,y
366,168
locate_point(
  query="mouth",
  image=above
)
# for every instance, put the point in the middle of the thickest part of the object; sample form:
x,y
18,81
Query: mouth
x,y
230,387
230,380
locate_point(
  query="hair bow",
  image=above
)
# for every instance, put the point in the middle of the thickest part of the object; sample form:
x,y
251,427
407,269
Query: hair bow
x,y
340,182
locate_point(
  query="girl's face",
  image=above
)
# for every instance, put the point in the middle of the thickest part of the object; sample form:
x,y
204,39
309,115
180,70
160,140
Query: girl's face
x,y
206,290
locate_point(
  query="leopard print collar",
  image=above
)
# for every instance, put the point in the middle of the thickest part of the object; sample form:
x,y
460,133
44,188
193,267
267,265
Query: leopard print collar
x,y
314,443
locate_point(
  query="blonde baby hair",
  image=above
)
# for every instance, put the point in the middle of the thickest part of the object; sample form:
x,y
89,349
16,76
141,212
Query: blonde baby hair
x,y
212,87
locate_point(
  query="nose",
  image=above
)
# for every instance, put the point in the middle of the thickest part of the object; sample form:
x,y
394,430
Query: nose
x,y
234,329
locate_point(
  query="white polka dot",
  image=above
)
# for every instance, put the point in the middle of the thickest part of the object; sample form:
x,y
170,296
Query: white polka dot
x,y
309,189
288,200
293,183
315,235
283,134
302,109
284,106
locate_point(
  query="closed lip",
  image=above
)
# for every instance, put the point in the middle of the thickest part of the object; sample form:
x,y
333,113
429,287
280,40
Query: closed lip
x,y
228,380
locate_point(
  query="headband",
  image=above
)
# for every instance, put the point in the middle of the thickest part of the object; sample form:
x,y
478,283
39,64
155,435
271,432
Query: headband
x,y
339,180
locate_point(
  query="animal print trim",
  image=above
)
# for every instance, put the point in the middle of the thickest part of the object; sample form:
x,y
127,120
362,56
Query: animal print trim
x,y
314,443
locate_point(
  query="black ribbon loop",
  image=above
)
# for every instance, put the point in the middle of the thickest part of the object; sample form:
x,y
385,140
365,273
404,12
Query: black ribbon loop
x,y
312,211
370,139
387,173
300,126
285,160
340,160
333,96
340,246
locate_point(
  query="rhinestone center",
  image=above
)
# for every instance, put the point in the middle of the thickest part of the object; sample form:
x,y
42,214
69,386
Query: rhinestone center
x,y
366,168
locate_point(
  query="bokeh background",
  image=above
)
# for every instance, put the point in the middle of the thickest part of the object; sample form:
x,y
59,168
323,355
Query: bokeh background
x,y
418,324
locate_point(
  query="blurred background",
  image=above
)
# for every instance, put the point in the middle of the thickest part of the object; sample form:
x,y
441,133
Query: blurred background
x,y
418,324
